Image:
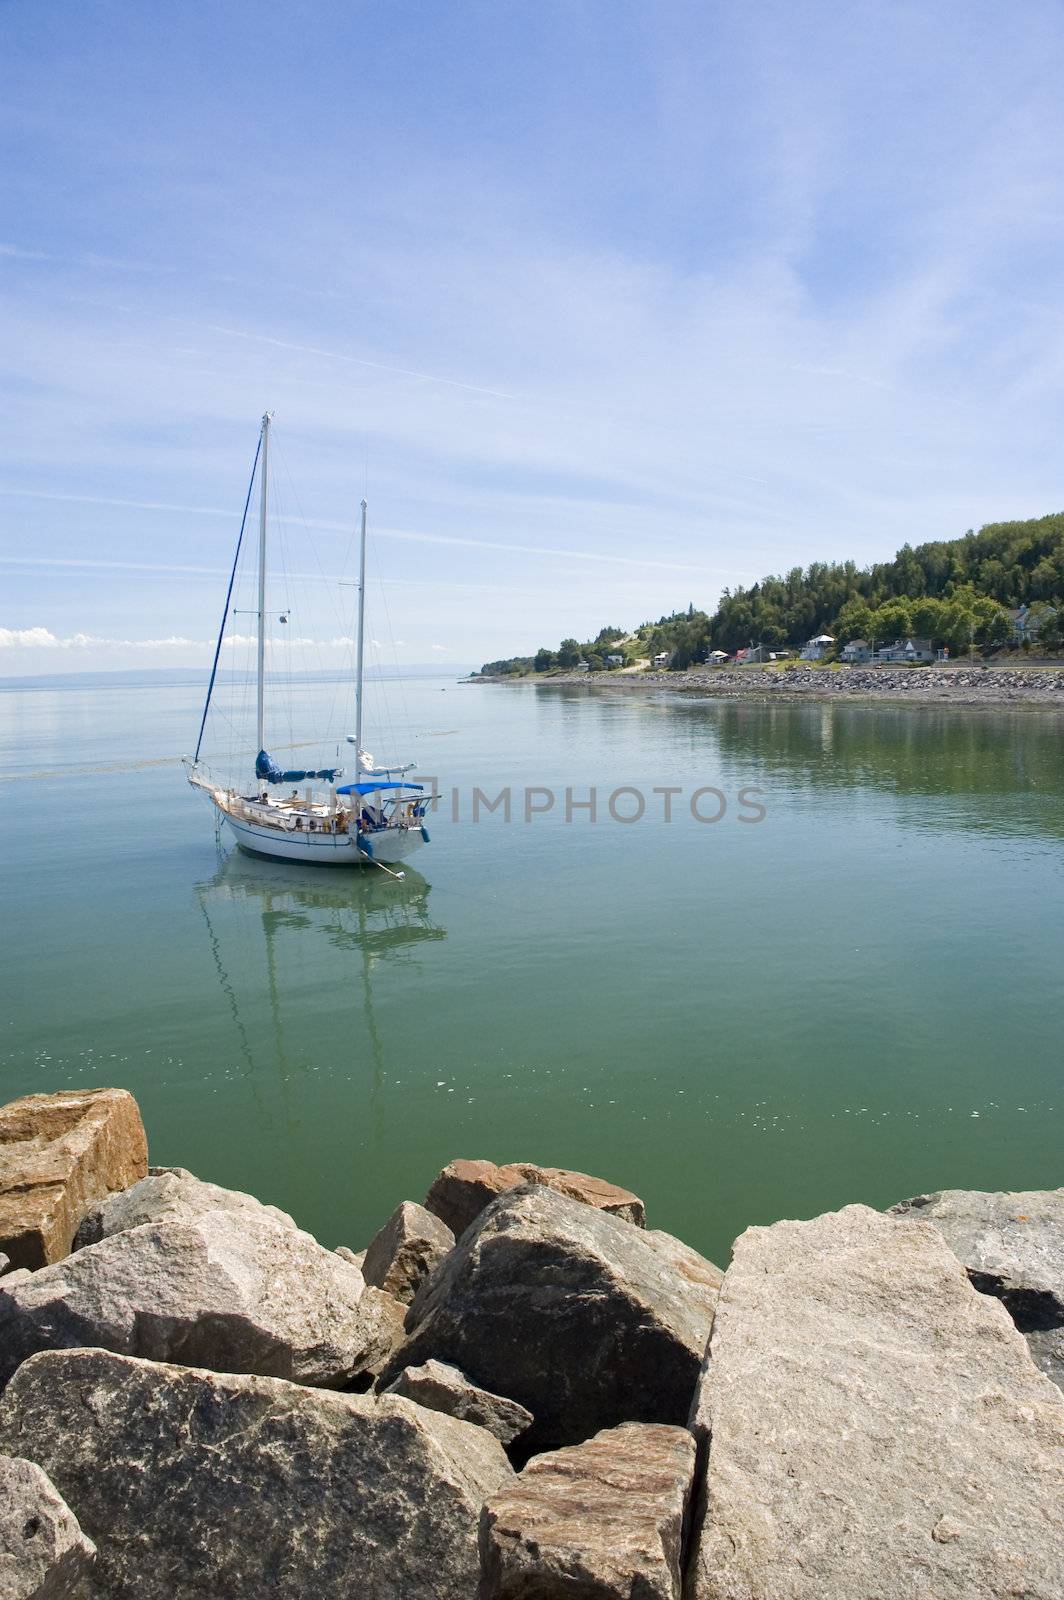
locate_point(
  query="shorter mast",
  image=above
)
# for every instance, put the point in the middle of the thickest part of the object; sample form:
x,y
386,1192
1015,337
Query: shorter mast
x,y
361,645
260,700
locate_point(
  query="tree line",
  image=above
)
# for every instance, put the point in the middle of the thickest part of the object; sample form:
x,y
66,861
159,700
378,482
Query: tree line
x,y
955,592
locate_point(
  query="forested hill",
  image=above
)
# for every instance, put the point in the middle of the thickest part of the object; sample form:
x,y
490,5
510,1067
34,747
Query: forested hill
x,y
951,590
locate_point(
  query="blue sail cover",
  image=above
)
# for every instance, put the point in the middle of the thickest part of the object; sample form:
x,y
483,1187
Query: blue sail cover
x,y
367,786
267,769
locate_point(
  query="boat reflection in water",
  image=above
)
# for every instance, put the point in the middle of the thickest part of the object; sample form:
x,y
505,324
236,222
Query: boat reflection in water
x,y
323,937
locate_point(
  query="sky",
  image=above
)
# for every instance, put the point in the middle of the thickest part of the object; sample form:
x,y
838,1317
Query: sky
x,y
604,306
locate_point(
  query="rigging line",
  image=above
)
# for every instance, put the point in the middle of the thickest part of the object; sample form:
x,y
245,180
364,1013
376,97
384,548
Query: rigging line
x,y
228,597
331,588
403,706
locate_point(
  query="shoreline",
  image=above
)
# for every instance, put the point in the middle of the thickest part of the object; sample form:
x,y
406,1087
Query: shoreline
x,y
1039,688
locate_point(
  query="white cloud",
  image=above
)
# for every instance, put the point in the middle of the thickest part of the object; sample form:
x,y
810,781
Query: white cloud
x,y
44,639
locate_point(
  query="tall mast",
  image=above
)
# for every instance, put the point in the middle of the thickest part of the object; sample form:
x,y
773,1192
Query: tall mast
x,y
260,703
361,645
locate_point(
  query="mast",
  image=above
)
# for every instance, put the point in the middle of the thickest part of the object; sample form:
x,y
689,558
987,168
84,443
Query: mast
x,y
260,702
361,645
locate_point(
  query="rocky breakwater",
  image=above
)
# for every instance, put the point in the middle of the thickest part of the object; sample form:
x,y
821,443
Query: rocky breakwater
x,y
960,685
519,1392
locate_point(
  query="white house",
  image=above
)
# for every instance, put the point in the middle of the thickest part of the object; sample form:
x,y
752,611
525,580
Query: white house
x,y
907,650
582,666
817,648
615,661
717,658
661,660
857,651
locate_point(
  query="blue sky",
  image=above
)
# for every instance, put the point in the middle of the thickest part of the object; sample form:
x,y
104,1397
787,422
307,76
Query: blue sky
x,y
607,305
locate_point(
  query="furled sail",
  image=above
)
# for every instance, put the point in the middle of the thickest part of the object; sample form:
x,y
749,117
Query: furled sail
x,y
267,769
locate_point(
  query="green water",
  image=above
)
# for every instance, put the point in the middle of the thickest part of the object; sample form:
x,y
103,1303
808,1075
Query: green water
x,y
856,998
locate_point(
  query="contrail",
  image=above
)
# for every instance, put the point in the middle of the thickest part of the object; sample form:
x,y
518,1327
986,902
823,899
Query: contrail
x,y
358,361
552,552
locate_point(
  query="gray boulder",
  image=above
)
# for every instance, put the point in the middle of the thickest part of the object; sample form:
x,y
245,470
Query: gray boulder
x,y
444,1388
43,1553
1011,1246
462,1190
400,1257
602,1520
581,1318
237,1292
197,1485
167,1194
877,1428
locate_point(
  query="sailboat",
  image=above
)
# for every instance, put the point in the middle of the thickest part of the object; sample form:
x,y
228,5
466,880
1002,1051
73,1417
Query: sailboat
x,y
377,819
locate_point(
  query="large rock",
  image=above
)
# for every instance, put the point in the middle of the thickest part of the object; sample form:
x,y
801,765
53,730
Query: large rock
x,y
581,1318
234,1292
196,1485
600,1521
167,1194
464,1188
400,1257
60,1154
444,1388
876,1428
1012,1246
43,1553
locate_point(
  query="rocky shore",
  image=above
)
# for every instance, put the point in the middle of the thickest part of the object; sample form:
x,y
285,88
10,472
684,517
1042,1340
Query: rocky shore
x,y
962,686
516,1391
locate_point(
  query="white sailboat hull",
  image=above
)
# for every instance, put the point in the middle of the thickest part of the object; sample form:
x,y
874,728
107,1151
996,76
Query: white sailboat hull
x,y
324,849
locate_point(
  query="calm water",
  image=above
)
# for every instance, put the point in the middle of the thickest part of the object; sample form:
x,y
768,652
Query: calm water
x,y
856,998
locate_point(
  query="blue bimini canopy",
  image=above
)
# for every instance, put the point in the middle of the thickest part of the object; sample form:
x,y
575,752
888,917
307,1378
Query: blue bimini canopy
x,y
267,768
369,787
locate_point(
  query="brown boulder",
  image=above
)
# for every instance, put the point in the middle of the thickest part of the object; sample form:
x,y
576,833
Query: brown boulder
x,y
464,1188
602,1520
60,1155
404,1252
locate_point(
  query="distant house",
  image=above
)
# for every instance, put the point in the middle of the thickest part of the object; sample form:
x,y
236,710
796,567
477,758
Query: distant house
x,y
615,661
717,658
909,651
741,656
758,653
858,650
780,655
661,660
817,648
1027,624
582,666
